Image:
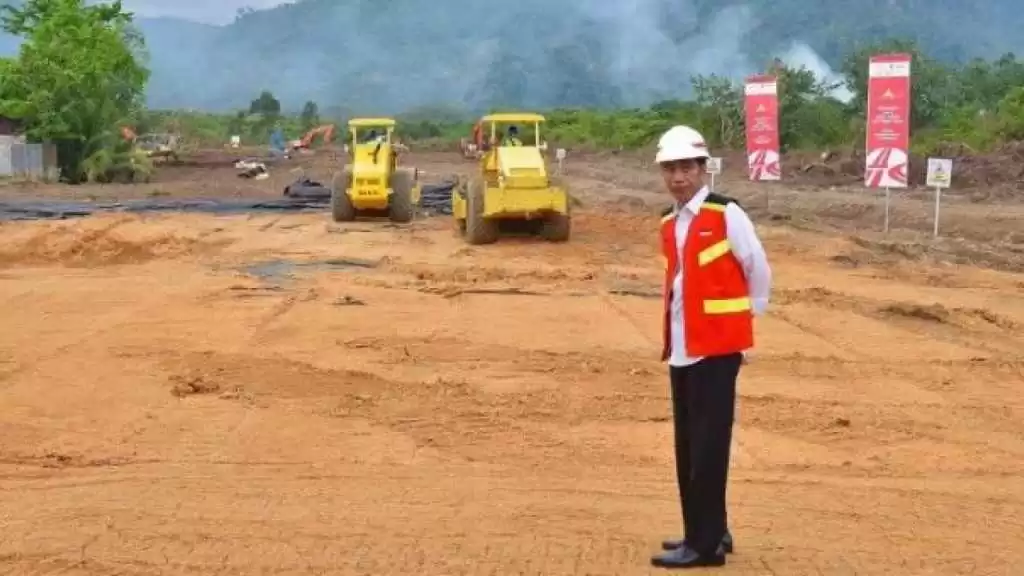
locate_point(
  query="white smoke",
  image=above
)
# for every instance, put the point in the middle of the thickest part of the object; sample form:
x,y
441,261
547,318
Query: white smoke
x,y
397,55
801,55
653,60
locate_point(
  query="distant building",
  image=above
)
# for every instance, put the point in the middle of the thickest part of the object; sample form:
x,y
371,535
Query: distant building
x,y
20,159
9,126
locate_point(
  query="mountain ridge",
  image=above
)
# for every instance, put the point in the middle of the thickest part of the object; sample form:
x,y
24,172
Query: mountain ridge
x,y
534,53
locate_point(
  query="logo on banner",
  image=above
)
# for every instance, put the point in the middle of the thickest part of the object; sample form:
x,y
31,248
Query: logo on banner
x,y
886,167
764,165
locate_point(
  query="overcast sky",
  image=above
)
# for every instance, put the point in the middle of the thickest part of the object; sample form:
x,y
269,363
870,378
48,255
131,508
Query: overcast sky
x,y
209,11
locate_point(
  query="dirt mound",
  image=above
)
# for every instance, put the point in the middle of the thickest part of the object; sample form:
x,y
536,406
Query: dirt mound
x,y
893,255
1000,173
937,313
83,244
928,312
996,175
816,169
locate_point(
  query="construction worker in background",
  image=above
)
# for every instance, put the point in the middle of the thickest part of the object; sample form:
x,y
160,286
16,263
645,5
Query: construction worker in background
x,y
372,137
716,279
512,137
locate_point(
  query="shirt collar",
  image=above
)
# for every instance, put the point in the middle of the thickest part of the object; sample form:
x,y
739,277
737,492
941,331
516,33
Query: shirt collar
x,y
694,203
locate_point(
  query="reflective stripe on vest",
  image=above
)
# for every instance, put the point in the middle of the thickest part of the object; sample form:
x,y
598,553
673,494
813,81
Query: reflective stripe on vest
x,y
728,306
714,252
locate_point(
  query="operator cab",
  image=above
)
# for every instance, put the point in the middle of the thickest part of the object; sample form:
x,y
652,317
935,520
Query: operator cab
x,y
510,133
512,137
371,135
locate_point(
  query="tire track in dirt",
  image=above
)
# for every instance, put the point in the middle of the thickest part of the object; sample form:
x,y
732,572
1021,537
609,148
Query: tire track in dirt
x,y
456,415
449,414
976,329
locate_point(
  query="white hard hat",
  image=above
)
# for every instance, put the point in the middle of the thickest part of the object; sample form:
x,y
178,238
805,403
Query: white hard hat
x,y
681,143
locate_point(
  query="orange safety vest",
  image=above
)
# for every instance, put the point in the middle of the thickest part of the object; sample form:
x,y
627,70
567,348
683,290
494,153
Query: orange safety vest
x,y
716,299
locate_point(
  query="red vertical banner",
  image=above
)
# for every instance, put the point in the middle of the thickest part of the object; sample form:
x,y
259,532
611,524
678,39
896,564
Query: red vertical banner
x,y
762,107
888,121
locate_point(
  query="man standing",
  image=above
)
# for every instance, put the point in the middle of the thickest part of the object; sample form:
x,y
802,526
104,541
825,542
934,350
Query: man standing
x,y
716,279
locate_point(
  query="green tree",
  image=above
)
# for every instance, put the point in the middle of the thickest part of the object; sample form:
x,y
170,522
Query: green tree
x,y
236,125
78,76
808,117
310,115
1010,115
266,105
983,84
722,118
934,86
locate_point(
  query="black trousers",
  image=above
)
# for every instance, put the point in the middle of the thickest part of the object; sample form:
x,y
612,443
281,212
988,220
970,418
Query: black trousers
x,y
704,408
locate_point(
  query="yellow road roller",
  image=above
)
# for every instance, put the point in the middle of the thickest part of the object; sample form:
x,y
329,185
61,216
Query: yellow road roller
x,y
373,184
513,188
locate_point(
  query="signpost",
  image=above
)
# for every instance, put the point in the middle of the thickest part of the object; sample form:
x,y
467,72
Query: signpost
x,y
560,156
714,168
762,108
888,124
940,175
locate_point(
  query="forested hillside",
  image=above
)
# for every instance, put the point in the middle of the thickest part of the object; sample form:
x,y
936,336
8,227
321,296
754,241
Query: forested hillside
x,y
389,56
541,53
78,79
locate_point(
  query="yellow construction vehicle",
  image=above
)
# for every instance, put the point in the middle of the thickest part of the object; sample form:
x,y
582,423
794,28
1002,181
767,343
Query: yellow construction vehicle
x,y
513,184
373,184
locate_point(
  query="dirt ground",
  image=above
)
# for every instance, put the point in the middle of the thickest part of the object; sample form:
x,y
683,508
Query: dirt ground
x,y
279,394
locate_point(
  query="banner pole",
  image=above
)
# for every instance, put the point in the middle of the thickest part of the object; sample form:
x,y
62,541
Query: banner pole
x,y
888,197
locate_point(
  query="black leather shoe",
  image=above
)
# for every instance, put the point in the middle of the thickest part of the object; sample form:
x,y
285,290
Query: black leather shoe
x,y
686,557
674,544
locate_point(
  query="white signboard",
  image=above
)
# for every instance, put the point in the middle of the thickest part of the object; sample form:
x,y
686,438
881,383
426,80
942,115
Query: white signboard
x,y
940,175
236,141
714,166
560,155
940,172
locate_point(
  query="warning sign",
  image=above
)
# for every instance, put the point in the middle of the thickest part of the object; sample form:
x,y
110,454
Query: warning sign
x,y
714,166
940,172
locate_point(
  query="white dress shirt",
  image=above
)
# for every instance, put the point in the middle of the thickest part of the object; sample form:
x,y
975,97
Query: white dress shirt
x,y
746,247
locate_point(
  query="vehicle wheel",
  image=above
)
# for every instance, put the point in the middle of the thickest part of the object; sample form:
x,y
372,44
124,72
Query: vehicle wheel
x,y
479,230
342,209
556,227
459,191
400,205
